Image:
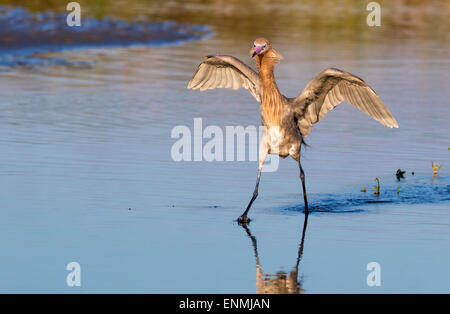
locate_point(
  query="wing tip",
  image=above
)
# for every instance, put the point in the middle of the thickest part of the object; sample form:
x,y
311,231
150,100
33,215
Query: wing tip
x,y
392,125
193,86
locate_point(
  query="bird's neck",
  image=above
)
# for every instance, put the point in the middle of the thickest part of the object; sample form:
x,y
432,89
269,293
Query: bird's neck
x,y
266,64
272,99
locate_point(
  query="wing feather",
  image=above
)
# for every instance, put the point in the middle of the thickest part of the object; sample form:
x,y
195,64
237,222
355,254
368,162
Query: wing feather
x,y
331,87
229,83
225,72
220,75
210,81
205,81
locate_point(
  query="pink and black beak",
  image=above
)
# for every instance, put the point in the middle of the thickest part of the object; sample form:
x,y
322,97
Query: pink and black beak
x,y
257,49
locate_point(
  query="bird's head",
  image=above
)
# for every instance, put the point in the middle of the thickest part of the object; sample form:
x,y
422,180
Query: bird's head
x,y
260,47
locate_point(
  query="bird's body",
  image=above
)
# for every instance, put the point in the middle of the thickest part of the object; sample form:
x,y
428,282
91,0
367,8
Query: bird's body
x,y
283,137
287,121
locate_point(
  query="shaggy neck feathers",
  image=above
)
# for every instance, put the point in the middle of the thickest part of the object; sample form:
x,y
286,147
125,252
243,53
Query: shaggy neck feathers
x,y
272,100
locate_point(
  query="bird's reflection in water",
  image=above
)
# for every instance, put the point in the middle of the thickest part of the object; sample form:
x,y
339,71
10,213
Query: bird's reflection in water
x,y
281,282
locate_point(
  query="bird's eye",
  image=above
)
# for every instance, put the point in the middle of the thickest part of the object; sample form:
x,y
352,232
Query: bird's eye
x,y
254,45
264,46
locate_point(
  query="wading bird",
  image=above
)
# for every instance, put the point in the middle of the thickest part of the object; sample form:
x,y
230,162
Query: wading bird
x,y
287,121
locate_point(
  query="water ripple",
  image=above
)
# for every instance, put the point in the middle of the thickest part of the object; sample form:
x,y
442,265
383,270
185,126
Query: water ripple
x,y
420,191
23,35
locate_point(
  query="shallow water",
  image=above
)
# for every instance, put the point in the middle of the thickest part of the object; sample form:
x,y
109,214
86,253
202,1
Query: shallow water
x,y
25,35
87,175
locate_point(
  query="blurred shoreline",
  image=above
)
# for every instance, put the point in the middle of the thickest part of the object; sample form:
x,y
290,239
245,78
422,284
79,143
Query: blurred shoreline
x,y
325,20
40,26
24,34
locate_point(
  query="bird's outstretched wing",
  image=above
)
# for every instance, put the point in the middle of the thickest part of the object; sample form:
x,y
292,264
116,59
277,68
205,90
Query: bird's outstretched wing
x,y
225,72
331,87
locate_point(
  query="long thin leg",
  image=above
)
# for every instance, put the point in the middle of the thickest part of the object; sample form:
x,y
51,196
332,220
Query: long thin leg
x,y
263,150
302,177
243,218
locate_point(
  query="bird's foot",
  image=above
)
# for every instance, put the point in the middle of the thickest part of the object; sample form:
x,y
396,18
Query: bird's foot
x,y
243,220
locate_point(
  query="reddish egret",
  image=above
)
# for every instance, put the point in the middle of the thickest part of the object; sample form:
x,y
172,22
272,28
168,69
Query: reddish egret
x,y
288,120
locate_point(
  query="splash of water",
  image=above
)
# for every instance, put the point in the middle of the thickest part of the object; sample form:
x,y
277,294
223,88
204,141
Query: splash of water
x,y
419,191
